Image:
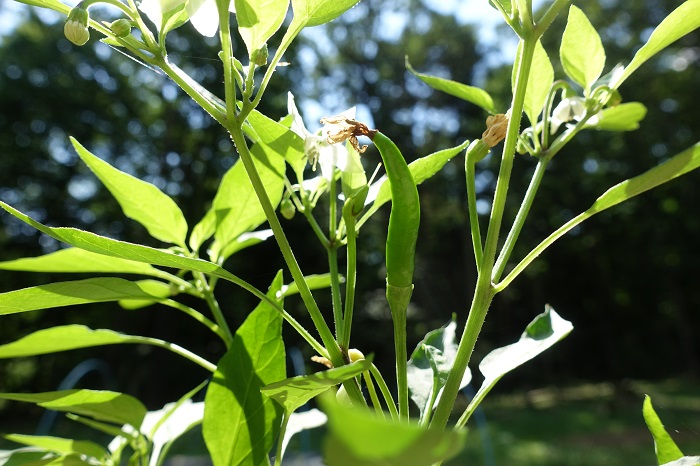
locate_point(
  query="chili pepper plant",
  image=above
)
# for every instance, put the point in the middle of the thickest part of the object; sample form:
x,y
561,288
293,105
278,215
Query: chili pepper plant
x,y
249,409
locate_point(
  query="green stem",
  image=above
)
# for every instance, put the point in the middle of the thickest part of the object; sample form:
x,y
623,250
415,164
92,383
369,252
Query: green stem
x,y
549,16
283,430
520,218
350,281
227,59
334,353
484,289
215,309
373,394
333,261
145,32
386,393
177,349
399,319
198,317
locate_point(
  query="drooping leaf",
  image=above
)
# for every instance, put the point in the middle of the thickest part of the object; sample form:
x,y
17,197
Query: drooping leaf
x,y
316,12
99,404
160,290
421,169
681,21
543,332
430,364
114,248
294,392
91,290
258,20
538,84
61,446
581,52
240,423
666,449
63,338
140,201
623,117
358,437
465,92
75,260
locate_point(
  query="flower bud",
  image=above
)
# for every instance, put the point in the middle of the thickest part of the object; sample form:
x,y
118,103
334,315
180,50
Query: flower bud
x,y
76,27
342,397
121,27
260,56
355,355
287,209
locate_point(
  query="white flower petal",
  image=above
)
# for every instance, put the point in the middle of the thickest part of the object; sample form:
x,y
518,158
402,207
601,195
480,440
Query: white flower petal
x,y
297,122
302,421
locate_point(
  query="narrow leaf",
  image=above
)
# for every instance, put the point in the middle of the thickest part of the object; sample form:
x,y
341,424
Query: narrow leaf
x,y
139,200
421,169
543,332
114,248
25,457
240,423
63,338
294,392
470,94
581,52
358,437
75,260
99,404
316,12
155,288
623,117
91,290
258,20
666,449
681,21
61,446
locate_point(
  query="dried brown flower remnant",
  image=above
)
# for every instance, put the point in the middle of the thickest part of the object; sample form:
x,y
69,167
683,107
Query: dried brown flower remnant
x,y
496,126
341,128
321,360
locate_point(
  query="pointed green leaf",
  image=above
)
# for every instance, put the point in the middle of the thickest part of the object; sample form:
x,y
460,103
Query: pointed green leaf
x,y
581,53
294,392
258,20
59,445
539,82
91,290
678,165
681,21
139,200
25,457
99,404
623,117
421,169
240,423
430,364
666,448
310,13
280,139
160,290
63,338
75,260
111,247
358,437
543,332
470,94
236,209
69,460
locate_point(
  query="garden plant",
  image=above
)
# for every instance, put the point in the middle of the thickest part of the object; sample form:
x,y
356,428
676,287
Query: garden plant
x,y
284,170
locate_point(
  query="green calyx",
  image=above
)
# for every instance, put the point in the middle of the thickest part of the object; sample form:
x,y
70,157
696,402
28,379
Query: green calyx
x,y
76,27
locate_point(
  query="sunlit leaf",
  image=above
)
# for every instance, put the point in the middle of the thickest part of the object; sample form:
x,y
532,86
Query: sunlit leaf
x,y
294,392
358,437
581,53
91,290
240,423
59,445
470,94
99,404
623,117
258,20
75,260
316,12
681,21
280,139
160,290
666,449
140,201
25,457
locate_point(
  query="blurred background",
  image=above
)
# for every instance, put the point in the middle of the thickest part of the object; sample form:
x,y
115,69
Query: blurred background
x,y
627,279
